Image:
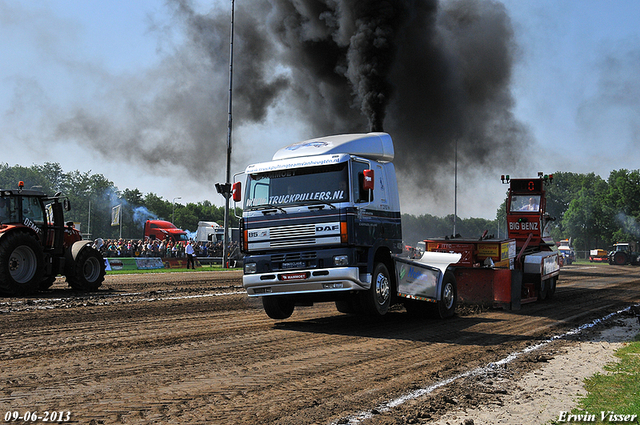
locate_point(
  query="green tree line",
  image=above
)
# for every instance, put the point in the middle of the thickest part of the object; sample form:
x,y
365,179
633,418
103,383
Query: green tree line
x,y
93,196
592,211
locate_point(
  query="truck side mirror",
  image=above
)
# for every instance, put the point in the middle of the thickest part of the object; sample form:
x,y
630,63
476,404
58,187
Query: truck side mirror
x,y
367,184
236,192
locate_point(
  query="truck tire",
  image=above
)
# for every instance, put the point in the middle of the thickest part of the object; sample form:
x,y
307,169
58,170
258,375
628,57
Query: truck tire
x,y
376,300
552,287
21,264
278,307
446,306
543,289
620,258
88,270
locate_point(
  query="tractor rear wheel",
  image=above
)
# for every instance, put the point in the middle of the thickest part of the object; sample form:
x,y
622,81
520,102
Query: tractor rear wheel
x,y
620,258
87,273
21,264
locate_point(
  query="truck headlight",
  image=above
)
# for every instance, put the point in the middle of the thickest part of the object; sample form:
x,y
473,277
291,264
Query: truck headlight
x,y
250,268
341,260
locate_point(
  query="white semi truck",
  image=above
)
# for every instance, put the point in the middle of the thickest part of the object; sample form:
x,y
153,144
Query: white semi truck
x,y
321,222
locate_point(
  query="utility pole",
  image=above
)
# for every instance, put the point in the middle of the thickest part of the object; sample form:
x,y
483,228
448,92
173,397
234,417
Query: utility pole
x,y
229,126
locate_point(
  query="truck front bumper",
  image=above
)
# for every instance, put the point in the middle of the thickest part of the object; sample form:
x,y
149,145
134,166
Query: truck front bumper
x,y
306,281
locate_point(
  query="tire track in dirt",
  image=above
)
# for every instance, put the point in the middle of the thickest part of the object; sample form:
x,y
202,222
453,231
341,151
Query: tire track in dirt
x,y
221,360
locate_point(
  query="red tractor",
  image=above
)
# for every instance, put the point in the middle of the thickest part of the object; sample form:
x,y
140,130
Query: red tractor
x,y
36,245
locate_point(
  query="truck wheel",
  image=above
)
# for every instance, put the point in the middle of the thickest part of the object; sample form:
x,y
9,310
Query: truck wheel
x,y
88,270
543,289
552,287
278,307
446,307
376,300
620,258
21,264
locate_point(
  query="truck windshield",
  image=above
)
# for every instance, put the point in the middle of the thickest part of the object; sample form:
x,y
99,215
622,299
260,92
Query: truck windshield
x,y
325,184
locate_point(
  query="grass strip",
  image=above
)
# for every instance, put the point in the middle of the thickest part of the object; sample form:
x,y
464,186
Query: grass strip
x,y
614,396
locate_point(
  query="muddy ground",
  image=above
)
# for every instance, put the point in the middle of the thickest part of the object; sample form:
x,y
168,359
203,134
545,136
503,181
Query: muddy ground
x,y
192,348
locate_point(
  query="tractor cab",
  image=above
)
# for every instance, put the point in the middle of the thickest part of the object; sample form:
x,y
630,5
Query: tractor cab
x,y
37,211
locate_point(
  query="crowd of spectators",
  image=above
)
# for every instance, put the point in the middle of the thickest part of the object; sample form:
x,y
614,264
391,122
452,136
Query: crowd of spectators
x,y
161,248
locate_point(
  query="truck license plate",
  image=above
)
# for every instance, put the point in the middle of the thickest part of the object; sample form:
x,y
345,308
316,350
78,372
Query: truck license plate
x,y
293,265
294,276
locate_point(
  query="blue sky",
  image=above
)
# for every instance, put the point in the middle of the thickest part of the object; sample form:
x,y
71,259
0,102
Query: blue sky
x,y
576,84
576,87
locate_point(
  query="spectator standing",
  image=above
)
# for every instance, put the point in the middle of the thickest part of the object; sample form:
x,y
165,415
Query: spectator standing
x,y
190,254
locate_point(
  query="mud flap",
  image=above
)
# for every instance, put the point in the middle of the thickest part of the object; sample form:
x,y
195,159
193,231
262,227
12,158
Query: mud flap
x,y
516,289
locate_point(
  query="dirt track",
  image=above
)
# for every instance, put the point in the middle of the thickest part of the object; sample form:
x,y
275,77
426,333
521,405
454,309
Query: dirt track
x,y
192,348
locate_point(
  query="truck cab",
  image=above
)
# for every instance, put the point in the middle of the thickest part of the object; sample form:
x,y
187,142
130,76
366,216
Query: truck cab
x,y
321,222
161,230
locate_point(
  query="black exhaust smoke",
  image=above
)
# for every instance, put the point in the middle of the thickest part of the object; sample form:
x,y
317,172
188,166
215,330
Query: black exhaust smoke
x,y
428,73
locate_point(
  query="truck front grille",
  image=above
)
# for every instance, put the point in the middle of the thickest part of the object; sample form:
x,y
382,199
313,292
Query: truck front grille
x,y
299,231
298,242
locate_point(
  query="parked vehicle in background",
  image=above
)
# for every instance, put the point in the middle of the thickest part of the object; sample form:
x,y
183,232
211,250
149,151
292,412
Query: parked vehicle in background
x,y
598,255
567,252
36,244
624,253
161,229
210,231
